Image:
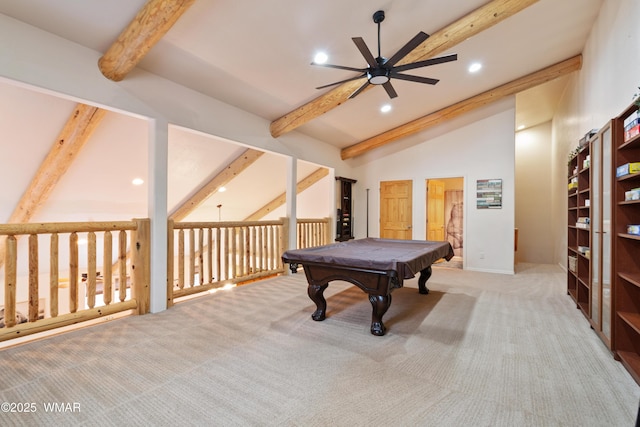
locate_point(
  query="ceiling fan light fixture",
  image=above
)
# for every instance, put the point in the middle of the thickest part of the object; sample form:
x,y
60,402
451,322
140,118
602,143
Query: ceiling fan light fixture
x,y
378,76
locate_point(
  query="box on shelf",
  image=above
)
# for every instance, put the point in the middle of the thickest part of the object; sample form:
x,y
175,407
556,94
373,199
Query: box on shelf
x,y
633,229
633,194
587,203
573,261
631,126
627,168
583,222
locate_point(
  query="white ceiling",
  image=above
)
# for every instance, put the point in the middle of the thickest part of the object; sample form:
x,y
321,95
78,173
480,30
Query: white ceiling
x,y
256,55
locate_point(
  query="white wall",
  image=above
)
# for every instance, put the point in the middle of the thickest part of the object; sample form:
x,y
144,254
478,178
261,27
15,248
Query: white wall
x,y
534,189
604,87
483,149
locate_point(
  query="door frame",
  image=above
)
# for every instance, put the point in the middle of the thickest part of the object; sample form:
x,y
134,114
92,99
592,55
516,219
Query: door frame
x,y
465,211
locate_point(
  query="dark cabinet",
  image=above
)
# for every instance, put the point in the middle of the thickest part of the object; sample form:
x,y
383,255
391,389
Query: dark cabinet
x,y
344,226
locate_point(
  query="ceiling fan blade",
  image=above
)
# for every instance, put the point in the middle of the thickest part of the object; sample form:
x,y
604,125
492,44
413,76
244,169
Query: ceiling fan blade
x,y
390,90
427,62
342,81
360,89
340,67
416,79
404,51
364,50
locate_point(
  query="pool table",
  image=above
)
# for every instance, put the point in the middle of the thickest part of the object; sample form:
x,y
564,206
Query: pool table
x,y
377,266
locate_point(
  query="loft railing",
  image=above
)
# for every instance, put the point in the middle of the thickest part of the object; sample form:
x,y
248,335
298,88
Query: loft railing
x,y
80,284
313,232
208,255
60,274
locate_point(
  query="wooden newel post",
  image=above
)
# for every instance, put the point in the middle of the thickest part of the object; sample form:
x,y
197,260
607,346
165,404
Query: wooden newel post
x,y
140,264
328,232
284,241
170,257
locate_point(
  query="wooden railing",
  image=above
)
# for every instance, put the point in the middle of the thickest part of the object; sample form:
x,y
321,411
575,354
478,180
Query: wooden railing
x,y
105,291
313,232
111,273
207,255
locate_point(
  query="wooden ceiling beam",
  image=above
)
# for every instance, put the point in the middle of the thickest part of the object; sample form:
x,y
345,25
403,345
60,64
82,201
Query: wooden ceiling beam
x,y
302,185
473,23
150,24
76,132
232,170
534,79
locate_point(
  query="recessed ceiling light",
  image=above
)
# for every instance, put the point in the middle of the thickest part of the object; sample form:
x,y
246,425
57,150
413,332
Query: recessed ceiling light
x,y
520,127
222,189
385,108
475,67
137,181
320,58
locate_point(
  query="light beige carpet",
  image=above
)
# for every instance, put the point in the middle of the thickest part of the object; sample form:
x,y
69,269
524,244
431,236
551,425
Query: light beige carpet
x,y
481,349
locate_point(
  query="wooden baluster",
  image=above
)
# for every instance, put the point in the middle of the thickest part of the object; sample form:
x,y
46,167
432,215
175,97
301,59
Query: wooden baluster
x,y
260,248
73,272
278,236
33,277
54,275
107,291
192,257
201,255
181,259
210,274
91,269
232,250
218,255
244,251
10,278
251,250
122,267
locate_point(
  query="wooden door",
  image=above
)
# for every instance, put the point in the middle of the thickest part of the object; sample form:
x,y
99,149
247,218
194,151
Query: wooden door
x,y
435,210
396,209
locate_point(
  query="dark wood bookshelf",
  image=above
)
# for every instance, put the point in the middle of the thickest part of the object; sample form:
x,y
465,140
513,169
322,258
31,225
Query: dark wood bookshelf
x,y
626,341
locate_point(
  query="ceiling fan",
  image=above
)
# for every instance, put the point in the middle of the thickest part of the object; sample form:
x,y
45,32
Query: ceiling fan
x,y
381,70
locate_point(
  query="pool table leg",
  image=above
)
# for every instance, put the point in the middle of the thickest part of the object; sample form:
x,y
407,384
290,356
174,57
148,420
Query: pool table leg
x,y
315,292
422,281
380,304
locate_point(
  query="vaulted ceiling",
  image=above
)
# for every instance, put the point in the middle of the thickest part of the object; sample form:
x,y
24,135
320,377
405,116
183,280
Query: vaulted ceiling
x,y
256,55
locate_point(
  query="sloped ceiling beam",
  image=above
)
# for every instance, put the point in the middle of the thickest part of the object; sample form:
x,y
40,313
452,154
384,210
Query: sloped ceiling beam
x,y
455,110
304,183
150,24
475,22
232,170
76,132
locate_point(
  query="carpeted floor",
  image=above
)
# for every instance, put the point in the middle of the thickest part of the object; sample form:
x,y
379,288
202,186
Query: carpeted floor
x,y
481,349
